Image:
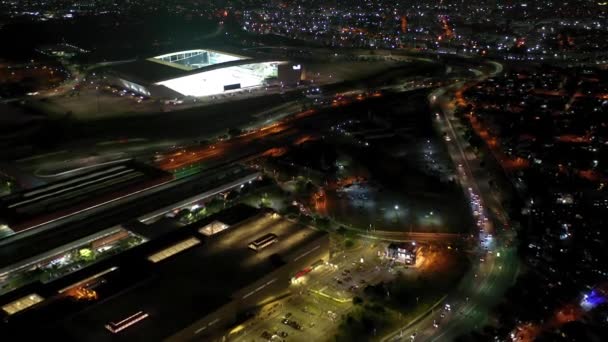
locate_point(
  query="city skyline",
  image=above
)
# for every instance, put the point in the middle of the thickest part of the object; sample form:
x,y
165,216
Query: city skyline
x,y
249,170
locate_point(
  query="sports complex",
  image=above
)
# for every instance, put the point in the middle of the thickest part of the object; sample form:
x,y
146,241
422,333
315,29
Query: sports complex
x,y
199,73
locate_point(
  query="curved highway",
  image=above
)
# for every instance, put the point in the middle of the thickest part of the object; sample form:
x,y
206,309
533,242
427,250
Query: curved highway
x,y
496,264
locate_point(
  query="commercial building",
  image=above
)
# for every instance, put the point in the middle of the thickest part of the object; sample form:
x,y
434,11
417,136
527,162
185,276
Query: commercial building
x,y
200,73
403,252
190,284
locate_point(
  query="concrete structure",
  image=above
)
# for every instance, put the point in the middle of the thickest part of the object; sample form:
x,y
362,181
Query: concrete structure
x,y
298,248
189,285
26,264
200,73
59,259
53,203
238,180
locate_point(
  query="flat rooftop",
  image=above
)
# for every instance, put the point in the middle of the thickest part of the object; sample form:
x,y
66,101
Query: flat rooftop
x,y
188,285
34,207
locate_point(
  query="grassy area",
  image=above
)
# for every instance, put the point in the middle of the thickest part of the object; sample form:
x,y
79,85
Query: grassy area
x,y
367,321
7,186
371,320
188,216
385,307
346,239
271,196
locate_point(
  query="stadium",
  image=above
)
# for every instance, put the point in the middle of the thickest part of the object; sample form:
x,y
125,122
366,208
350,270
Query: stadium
x,y
200,73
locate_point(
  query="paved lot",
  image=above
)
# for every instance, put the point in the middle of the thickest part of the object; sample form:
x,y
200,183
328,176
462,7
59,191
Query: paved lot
x,y
319,299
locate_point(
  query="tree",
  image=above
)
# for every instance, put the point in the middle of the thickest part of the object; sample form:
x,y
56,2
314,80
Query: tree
x,y
86,254
292,209
233,132
323,223
232,195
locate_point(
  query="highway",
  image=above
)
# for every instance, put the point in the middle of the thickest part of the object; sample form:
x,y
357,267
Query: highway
x,y
496,264
64,163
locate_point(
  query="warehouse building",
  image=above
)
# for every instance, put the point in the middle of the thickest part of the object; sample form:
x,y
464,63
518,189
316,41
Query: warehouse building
x,y
196,282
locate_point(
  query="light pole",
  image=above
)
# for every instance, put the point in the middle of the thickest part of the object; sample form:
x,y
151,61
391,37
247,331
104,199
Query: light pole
x,y
396,212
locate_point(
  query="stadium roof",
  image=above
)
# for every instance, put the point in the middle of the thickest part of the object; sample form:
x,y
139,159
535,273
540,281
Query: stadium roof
x,y
151,71
144,71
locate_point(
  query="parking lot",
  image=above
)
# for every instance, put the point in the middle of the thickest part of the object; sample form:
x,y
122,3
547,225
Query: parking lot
x,y
320,298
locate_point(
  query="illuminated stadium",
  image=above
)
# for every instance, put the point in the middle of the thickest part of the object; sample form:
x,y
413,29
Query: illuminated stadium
x,y
200,73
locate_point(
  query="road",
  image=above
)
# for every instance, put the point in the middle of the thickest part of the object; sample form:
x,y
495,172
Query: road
x,y
223,152
263,130
51,166
497,264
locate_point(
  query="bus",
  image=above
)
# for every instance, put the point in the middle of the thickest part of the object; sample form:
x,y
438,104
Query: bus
x,y
127,322
263,242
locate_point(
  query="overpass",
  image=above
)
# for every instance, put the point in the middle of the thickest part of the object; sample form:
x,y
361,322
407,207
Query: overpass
x,y
204,195
415,236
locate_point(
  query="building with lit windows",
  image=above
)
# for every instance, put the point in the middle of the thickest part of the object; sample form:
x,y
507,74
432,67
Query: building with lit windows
x,y
403,252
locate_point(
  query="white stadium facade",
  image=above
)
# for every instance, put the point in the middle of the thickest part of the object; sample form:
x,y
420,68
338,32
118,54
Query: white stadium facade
x,y
199,73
